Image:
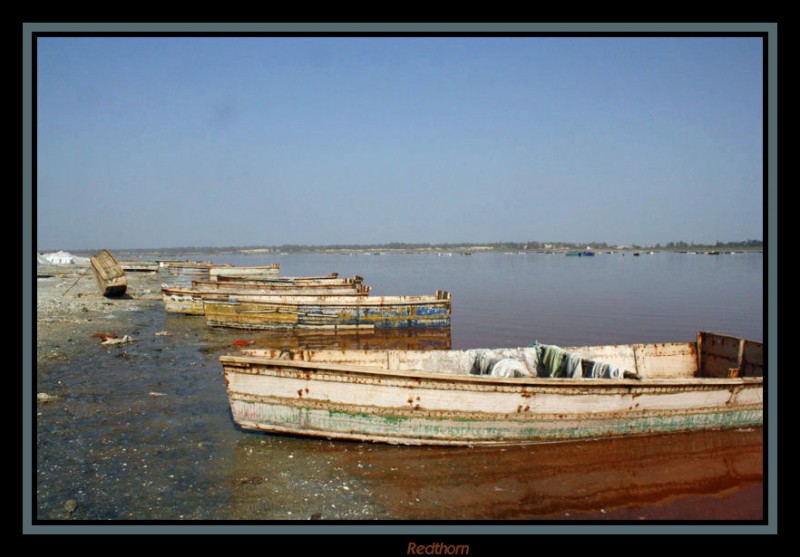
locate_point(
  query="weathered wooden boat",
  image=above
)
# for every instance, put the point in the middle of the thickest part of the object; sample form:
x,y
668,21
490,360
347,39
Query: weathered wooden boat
x,y
441,397
139,266
191,301
267,271
110,276
335,312
343,287
286,283
189,268
332,278
165,263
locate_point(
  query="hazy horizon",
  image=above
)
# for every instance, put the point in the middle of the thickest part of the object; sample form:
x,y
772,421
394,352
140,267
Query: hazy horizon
x,y
403,245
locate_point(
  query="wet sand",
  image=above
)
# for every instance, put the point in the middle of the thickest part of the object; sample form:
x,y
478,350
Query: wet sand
x,y
142,431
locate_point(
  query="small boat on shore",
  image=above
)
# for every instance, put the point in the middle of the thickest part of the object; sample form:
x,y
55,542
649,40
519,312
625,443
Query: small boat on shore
x,y
110,276
191,301
332,278
499,396
267,271
332,287
189,267
139,266
329,312
279,284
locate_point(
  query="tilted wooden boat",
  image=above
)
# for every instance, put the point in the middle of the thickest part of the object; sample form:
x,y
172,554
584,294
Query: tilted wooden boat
x,y
435,397
336,312
267,271
110,276
191,301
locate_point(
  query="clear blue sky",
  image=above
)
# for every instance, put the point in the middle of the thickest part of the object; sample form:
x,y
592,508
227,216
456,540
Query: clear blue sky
x,y
169,142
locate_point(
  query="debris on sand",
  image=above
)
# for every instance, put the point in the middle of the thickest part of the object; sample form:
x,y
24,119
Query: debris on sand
x,y
124,340
44,397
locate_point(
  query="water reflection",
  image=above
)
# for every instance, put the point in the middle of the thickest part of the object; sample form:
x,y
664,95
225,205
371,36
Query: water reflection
x,y
693,476
432,338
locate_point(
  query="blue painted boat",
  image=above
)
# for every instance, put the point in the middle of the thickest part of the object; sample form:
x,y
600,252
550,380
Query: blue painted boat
x,y
329,312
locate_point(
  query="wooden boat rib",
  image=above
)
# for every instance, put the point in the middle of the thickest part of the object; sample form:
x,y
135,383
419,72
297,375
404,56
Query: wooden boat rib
x,y
295,312
109,275
190,301
418,397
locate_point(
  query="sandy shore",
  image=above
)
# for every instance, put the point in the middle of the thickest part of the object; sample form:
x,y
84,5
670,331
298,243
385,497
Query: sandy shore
x,y
69,306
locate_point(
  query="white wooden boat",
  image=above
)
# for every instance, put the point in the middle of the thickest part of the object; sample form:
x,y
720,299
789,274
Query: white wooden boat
x,y
136,266
438,397
267,271
332,278
278,286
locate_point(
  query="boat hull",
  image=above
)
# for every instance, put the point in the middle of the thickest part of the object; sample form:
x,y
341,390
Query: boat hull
x,y
355,312
270,271
109,275
192,302
362,403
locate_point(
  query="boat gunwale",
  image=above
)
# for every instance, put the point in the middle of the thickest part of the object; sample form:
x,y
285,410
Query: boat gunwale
x,y
246,362
250,297
346,301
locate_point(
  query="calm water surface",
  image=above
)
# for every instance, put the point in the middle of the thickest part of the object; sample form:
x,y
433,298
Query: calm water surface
x,y
513,300
123,454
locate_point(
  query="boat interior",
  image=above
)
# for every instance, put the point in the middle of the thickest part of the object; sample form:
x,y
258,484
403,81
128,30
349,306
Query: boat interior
x,y
712,355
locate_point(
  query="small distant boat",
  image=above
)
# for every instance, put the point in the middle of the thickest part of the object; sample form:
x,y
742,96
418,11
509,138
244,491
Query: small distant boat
x,y
712,252
443,397
331,312
267,271
110,276
636,254
580,253
189,267
139,266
